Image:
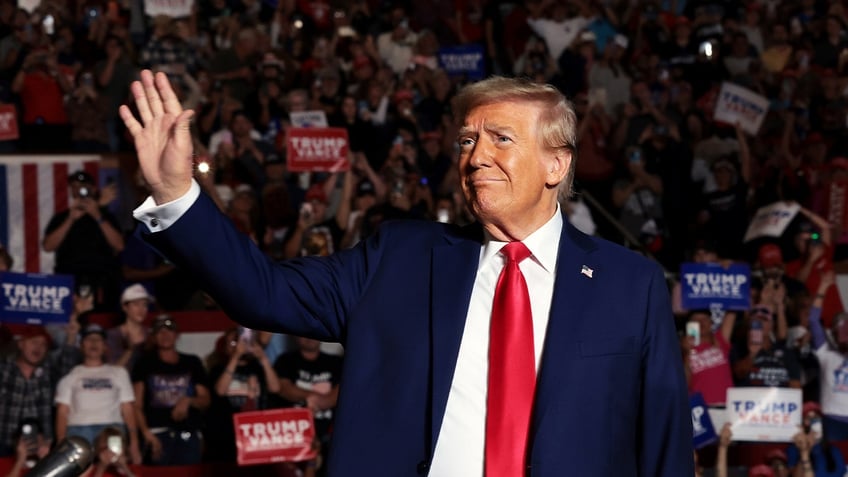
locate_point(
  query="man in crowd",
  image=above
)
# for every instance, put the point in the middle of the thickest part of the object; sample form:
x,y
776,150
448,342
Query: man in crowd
x,y
310,378
86,238
28,380
421,306
171,391
96,395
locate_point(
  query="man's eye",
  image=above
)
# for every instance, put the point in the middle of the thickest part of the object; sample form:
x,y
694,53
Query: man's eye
x,y
504,139
466,142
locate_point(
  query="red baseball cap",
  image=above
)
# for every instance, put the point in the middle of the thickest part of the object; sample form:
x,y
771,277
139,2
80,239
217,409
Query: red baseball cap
x,y
777,454
361,61
770,256
316,192
811,406
33,331
761,470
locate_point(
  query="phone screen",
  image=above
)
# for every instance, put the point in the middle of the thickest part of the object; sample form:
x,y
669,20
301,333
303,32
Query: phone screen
x,y
115,444
693,331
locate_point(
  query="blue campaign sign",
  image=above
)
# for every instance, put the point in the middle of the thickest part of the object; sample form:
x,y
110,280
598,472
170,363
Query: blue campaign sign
x,y
703,432
35,298
703,285
463,60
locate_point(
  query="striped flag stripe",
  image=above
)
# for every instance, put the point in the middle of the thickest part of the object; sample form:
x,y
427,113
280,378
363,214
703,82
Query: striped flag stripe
x,y
35,188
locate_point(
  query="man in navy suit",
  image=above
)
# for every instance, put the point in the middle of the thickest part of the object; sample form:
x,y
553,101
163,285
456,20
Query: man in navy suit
x,y
412,305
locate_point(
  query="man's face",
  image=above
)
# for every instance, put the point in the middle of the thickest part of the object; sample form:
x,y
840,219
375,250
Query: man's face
x,y
93,346
509,180
308,344
33,350
166,339
319,210
241,126
136,310
704,321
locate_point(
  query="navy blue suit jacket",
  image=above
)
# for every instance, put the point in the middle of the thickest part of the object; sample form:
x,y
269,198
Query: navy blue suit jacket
x,y
611,395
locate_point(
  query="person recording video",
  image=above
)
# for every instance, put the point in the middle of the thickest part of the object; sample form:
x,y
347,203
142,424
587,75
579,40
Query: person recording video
x,y
87,238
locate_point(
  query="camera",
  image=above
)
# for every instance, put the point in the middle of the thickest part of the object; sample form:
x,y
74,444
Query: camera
x,y
84,192
306,211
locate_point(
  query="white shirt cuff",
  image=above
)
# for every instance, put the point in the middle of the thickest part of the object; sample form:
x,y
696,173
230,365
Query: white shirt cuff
x,y
159,217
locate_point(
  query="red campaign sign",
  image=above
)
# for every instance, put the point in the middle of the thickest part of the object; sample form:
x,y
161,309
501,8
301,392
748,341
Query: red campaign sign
x,y
8,122
317,150
274,435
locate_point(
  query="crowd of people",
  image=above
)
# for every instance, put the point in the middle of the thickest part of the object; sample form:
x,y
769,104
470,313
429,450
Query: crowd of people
x,y
643,76
137,400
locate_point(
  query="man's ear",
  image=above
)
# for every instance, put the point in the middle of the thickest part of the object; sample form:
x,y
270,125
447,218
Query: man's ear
x,y
559,161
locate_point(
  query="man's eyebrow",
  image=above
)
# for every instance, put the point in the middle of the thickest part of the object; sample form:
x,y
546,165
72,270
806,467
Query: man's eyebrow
x,y
500,129
466,130
489,128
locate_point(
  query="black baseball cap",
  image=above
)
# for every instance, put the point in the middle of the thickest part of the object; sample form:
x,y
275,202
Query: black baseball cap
x,y
81,176
93,329
164,321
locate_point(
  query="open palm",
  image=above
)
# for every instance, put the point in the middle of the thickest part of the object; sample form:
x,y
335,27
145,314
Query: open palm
x,y
162,138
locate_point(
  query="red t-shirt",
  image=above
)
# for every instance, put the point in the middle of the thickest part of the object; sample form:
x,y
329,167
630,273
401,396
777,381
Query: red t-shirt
x,y
832,303
710,366
42,97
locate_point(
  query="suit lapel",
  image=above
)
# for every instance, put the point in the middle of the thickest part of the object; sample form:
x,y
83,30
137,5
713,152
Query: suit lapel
x,y
454,268
569,307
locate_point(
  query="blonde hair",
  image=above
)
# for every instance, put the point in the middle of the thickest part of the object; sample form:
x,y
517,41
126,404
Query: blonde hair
x,y
557,121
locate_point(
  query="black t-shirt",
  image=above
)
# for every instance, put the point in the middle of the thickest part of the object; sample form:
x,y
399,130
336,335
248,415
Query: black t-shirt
x,y
241,395
319,376
775,366
165,384
728,219
85,249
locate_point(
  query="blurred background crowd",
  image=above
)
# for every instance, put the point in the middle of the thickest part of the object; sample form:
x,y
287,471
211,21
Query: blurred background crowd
x,y
654,171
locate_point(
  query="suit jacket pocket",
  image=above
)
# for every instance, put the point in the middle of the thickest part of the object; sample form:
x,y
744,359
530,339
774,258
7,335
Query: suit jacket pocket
x,y
614,346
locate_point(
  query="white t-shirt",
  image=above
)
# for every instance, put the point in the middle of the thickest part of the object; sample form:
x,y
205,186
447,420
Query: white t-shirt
x,y
834,381
95,394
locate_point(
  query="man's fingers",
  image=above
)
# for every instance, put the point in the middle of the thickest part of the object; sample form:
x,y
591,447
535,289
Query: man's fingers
x,y
184,119
141,101
154,101
133,126
169,98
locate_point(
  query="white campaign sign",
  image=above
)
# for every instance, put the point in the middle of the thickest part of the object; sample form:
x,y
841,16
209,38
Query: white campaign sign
x,y
308,119
764,414
771,220
736,104
170,8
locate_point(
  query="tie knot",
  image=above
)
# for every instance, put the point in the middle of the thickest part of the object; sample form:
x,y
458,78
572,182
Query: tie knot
x,y
515,252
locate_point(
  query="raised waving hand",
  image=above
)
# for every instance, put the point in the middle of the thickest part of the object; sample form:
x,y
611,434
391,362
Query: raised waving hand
x,y
162,137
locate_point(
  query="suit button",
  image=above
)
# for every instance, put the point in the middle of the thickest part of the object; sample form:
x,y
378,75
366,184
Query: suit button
x,y
423,467
154,222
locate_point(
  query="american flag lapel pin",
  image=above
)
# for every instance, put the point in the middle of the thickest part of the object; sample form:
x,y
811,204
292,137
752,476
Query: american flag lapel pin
x,y
587,271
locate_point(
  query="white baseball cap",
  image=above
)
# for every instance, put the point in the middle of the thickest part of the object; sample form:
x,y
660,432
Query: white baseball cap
x,y
135,291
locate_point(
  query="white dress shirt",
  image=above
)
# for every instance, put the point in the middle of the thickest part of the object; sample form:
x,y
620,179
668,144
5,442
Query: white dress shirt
x,y
460,445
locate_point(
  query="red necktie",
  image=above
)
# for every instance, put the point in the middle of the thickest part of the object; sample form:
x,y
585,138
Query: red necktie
x,y
512,370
